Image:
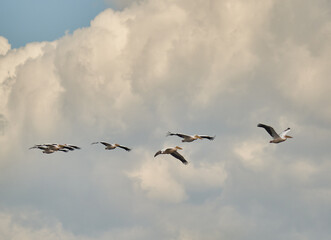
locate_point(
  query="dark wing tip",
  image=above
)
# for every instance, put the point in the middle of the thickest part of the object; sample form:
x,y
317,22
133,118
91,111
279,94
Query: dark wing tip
x,y
179,157
125,148
169,133
157,153
63,150
264,126
208,137
211,138
105,143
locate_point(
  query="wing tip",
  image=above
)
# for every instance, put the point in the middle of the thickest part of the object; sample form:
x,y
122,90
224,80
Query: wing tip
x,y
157,153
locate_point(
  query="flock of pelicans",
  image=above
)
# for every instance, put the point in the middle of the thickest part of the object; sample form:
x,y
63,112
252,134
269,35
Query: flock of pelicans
x,y
173,151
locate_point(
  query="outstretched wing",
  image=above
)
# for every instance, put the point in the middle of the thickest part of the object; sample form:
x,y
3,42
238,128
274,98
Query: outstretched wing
x,y
284,133
269,129
180,157
73,146
39,146
207,137
104,143
178,134
125,148
63,150
67,147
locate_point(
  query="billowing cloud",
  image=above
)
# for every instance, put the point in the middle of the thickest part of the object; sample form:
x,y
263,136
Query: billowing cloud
x,y
215,67
4,46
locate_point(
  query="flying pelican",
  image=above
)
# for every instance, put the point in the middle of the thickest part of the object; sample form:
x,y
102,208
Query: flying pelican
x,y
188,138
44,148
110,146
53,147
173,152
276,138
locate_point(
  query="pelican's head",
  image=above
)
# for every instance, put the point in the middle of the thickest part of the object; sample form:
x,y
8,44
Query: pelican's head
x,y
178,148
197,136
286,136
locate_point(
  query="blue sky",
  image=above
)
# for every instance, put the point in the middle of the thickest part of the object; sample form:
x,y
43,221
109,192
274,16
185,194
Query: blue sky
x,y
24,21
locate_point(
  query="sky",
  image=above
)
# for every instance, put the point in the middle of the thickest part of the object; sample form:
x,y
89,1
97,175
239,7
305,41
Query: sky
x,y
134,71
23,21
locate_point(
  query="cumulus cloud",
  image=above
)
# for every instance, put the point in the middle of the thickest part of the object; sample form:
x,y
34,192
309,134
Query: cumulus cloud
x,y
4,46
215,67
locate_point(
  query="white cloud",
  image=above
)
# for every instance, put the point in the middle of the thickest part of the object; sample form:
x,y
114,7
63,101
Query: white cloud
x,y
215,67
156,179
251,154
18,227
4,46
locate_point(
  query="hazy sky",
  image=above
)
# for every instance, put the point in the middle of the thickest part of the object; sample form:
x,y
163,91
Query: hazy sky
x,y
143,68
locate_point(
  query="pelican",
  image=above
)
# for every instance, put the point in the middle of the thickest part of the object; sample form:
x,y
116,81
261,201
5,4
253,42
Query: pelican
x,y
53,147
110,146
173,152
44,148
60,147
188,138
276,138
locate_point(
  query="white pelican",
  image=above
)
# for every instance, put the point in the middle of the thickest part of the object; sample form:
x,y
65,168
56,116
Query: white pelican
x,y
110,146
61,147
53,147
188,138
44,148
173,152
276,138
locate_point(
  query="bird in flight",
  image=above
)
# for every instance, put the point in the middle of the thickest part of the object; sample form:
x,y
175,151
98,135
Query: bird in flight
x,y
54,147
173,152
277,138
190,138
110,146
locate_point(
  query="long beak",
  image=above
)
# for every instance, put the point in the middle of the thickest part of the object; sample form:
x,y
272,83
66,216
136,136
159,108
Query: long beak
x,y
288,136
179,148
